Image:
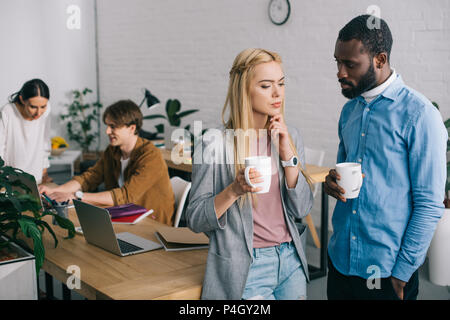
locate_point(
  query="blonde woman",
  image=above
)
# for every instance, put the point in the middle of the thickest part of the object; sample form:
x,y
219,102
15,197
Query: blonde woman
x,y
255,250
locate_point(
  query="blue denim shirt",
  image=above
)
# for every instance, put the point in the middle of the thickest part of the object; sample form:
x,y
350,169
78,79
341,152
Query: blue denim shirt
x,y
400,140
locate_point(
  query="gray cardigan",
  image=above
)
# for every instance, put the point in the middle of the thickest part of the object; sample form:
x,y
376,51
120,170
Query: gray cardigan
x,y
231,236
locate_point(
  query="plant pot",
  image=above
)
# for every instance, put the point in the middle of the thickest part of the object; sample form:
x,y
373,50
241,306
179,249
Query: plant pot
x,y
18,280
439,252
57,152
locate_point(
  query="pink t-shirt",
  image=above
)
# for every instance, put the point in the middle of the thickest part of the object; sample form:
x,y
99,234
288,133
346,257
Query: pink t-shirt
x,y
269,225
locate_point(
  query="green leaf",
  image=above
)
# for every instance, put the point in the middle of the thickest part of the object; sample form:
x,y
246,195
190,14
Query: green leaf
x,y
65,224
30,230
43,224
435,104
160,128
447,123
186,113
86,91
154,116
172,107
175,121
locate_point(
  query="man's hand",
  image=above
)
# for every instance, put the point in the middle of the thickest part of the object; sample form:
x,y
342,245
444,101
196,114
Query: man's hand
x,y
62,196
332,188
398,286
46,189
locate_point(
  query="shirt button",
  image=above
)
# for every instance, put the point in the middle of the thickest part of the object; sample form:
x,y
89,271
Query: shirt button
x,y
354,211
353,238
362,134
359,160
367,109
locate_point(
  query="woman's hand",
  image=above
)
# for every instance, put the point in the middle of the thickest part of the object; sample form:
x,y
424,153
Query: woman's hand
x,y
233,191
280,136
240,186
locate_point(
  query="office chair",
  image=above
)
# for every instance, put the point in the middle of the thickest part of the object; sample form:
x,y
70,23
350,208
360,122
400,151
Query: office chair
x,y
180,189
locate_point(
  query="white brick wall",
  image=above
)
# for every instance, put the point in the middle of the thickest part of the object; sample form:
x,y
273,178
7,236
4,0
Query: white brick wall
x,y
36,43
184,50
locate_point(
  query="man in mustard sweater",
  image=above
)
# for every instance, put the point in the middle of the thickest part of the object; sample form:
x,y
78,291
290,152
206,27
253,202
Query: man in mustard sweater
x,y
131,167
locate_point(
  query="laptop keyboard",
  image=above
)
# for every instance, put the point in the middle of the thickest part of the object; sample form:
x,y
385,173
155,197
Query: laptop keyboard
x,y
126,247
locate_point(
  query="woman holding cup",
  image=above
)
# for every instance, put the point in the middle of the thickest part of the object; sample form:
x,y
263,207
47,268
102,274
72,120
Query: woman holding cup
x,y
249,189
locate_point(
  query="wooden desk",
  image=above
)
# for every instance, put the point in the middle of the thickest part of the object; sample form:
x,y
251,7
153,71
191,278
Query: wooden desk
x,y
151,275
167,155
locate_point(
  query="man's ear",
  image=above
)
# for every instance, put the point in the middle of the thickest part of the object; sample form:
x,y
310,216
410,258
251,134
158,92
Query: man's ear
x,y
380,60
133,128
21,100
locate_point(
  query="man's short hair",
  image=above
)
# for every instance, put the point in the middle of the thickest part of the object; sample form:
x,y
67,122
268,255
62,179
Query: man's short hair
x,y
376,38
124,113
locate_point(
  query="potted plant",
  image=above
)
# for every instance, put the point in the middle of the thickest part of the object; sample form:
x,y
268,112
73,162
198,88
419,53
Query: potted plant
x,y
173,116
438,252
80,116
21,215
447,183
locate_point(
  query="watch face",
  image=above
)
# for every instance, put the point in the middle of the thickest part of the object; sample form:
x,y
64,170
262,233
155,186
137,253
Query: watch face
x,y
279,11
295,161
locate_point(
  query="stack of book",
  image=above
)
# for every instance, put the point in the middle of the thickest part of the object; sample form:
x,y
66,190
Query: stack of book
x,y
128,213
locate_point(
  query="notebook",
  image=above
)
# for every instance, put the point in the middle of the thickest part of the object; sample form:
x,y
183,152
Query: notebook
x,y
124,210
133,219
176,239
129,213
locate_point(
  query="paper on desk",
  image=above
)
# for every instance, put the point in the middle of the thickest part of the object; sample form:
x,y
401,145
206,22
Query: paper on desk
x,y
182,235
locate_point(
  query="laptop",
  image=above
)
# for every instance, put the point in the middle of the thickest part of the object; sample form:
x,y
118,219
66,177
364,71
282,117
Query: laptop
x,y
98,231
30,183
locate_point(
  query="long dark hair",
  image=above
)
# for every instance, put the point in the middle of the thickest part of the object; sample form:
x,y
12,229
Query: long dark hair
x,y
30,89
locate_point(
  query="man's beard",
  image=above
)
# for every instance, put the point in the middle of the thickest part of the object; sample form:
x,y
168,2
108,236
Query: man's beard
x,y
367,82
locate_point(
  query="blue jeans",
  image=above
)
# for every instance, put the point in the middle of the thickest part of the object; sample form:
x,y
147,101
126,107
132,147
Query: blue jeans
x,y
276,273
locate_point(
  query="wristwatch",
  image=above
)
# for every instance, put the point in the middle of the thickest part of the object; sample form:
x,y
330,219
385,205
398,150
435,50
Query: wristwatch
x,y
292,162
79,195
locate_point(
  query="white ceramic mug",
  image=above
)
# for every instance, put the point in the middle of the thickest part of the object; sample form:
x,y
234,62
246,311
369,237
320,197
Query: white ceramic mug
x,y
351,178
263,165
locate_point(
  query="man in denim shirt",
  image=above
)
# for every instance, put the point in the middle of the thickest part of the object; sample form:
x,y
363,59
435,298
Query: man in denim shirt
x,y
381,238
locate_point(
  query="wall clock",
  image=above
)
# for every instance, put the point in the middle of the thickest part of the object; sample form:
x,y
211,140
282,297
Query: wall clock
x,y
279,11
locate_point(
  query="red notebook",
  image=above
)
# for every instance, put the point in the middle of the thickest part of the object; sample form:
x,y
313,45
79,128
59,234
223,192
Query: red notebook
x,y
129,213
124,210
131,219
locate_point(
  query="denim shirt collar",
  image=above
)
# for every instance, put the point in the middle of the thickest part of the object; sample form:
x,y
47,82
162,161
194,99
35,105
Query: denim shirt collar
x,y
390,92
